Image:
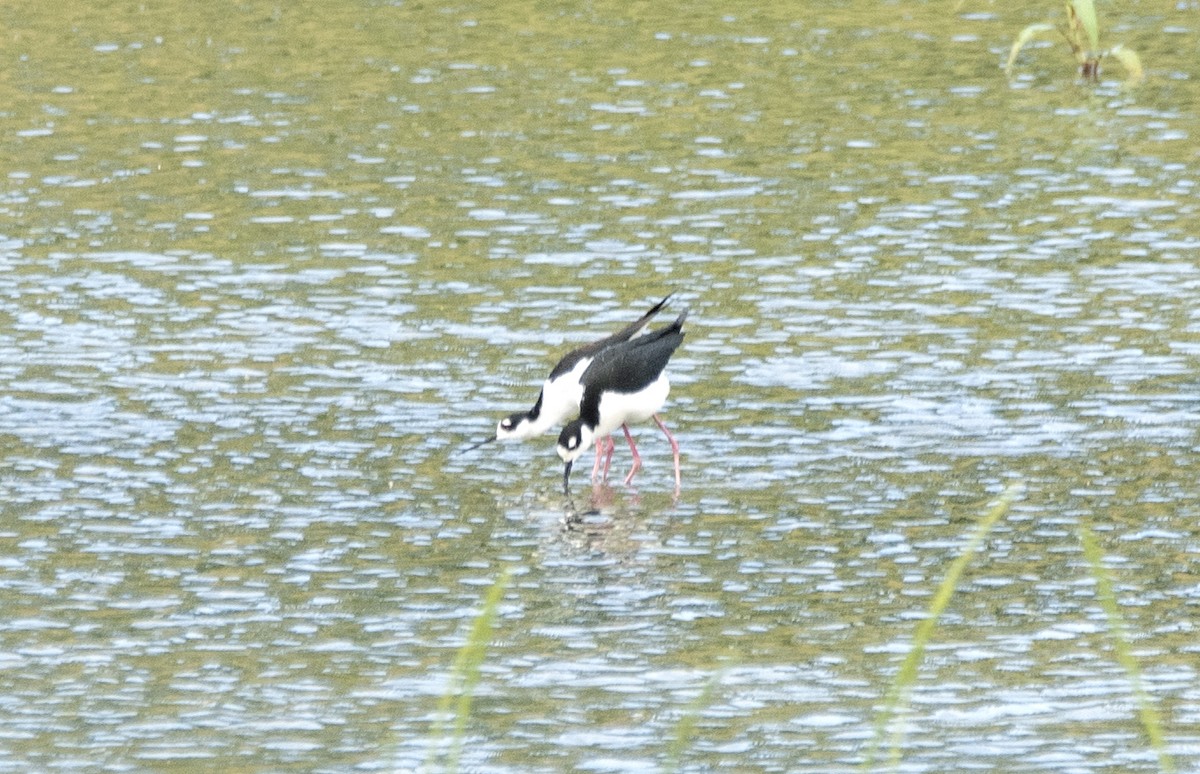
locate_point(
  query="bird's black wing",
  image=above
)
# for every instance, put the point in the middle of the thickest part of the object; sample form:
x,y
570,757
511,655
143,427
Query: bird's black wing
x,y
571,359
635,364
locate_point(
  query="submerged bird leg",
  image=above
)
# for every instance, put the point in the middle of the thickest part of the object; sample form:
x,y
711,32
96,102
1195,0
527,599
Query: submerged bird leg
x,y
612,447
601,445
632,448
637,458
599,454
674,448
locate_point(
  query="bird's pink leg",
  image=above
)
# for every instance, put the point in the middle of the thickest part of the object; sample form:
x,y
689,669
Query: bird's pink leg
x,y
637,458
674,449
629,438
596,464
601,444
612,447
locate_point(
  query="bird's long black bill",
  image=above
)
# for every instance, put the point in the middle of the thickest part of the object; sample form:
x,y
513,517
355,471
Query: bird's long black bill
x,y
477,445
567,478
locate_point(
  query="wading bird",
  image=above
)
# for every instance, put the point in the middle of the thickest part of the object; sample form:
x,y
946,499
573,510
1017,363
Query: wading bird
x,y
625,383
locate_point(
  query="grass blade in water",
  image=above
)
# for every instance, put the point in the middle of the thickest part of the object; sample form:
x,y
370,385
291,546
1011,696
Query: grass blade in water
x,y
685,728
464,675
1116,625
901,688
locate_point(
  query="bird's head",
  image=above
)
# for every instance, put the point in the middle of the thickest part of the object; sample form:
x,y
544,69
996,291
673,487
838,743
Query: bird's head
x,y
514,427
573,441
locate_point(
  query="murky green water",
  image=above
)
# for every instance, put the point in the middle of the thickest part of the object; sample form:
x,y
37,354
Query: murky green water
x,y
266,270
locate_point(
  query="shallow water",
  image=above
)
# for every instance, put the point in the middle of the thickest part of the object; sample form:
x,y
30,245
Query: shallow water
x,y
265,274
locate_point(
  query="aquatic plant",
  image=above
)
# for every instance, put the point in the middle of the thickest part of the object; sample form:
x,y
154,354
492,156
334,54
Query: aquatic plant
x,y
464,675
901,687
685,728
1116,627
1082,34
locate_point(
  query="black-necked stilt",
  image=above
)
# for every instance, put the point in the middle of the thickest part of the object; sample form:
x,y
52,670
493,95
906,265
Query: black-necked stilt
x,y
625,383
561,392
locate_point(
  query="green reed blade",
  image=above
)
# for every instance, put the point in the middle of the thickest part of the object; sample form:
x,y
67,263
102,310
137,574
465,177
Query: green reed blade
x,y
685,728
1026,35
464,675
1120,641
1083,14
1130,61
901,687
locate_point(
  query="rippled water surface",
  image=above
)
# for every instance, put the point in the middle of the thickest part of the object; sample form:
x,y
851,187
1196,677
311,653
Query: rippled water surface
x,y
266,272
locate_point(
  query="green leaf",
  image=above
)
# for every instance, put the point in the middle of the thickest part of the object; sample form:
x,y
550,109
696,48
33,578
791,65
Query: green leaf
x,y
1022,39
1118,633
1130,60
901,689
1083,13
464,676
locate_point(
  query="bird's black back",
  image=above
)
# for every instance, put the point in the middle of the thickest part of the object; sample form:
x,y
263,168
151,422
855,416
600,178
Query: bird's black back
x,y
628,367
571,359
